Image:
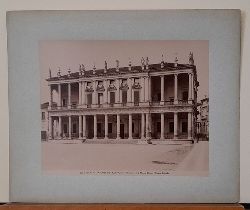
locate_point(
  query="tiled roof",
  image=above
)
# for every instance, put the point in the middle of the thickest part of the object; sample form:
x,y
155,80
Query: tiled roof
x,y
123,70
46,105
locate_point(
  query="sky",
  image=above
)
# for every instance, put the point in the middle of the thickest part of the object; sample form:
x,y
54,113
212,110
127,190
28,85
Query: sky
x,y
69,54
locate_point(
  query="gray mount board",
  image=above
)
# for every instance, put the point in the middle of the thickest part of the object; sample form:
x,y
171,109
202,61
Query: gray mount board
x,y
220,27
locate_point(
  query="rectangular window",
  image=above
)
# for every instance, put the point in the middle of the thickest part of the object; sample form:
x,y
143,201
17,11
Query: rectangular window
x,y
124,97
133,127
112,97
136,97
43,115
89,99
110,128
100,98
185,95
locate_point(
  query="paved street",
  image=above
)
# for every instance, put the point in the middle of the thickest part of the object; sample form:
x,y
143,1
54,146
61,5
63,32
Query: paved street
x,y
186,159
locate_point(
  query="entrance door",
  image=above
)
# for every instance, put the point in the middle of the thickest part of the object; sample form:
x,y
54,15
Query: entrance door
x,y
122,131
171,127
184,127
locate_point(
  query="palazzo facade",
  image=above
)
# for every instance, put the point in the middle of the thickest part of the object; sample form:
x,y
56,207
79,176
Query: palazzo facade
x,y
146,102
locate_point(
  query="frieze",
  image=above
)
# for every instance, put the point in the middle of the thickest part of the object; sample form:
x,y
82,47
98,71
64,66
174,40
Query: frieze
x,y
122,110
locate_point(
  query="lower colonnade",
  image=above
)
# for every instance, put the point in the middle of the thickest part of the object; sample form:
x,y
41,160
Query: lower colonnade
x,y
144,126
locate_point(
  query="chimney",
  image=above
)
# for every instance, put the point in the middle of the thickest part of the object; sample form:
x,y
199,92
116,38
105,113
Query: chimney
x,y
59,72
105,67
117,66
147,63
191,58
82,70
69,71
50,73
162,62
129,65
94,68
142,63
176,62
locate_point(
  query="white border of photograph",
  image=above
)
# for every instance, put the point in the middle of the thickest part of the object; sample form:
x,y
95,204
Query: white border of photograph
x,y
28,183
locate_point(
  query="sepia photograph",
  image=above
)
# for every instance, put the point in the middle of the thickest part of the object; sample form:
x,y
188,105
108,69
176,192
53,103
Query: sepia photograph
x,y
125,107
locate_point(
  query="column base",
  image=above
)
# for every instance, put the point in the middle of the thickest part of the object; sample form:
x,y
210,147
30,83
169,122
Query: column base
x,y
175,101
161,102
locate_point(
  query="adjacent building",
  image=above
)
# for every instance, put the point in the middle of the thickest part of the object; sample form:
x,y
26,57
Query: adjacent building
x,y
203,119
133,103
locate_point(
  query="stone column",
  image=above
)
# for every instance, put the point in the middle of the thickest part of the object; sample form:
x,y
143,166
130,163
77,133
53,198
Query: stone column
x,y
162,90
189,125
106,126
59,96
147,125
60,126
80,126
142,126
129,95
190,88
142,91
69,95
94,94
108,97
83,93
175,88
132,91
50,127
117,92
105,99
149,89
146,93
175,124
84,126
95,126
51,96
70,127
80,93
130,126
118,127
162,126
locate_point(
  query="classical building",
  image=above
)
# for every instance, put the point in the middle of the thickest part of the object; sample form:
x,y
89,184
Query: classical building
x,y
146,102
203,118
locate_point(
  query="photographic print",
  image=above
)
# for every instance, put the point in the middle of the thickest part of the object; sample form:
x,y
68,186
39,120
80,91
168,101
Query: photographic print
x,y
125,107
